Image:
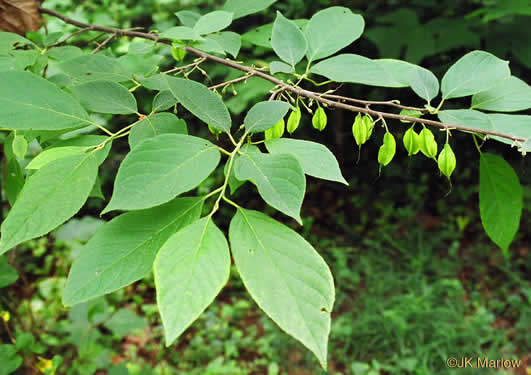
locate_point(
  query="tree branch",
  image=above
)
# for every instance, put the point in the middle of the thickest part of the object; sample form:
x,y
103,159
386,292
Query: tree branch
x,y
322,98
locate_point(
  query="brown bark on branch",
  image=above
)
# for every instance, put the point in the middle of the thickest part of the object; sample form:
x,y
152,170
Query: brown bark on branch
x,y
320,97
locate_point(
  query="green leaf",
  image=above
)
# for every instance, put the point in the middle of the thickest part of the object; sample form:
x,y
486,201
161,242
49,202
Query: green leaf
x,y
105,97
279,178
20,146
18,60
14,180
181,33
288,41
138,47
187,17
8,275
125,321
176,163
10,40
156,124
94,67
500,199
190,270
331,30
210,45
242,8
30,102
315,159
55,153
510,95
64,53
212,22
360,69
515,125
475,72
123,250
87,141
261,36
466,117
229,41
9,359
280,67
163,100
201,102
140,65
36,211
264,115
424,84
286,277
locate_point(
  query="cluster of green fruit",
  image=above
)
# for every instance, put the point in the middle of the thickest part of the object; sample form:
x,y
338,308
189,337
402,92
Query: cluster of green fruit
x,y
413,142
362,130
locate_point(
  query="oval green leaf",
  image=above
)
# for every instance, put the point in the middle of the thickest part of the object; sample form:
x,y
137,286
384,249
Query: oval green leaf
x,y
288,41
424,83
161,168
212,22
475,72
190,270
359,69
201,102
94,67
500,199
36,211
105,97
331,30
286,277
265,115
31,102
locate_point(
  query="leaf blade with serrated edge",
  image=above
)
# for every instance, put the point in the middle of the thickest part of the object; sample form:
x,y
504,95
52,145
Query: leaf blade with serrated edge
x,y
36,211
122,251
178,163
31,102
190,270
286,277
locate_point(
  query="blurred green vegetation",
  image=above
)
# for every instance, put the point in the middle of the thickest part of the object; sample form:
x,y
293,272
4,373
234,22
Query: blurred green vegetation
x,y
417,280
